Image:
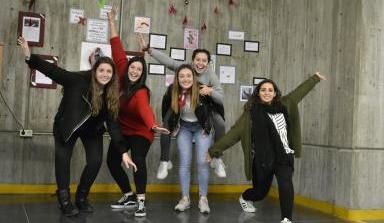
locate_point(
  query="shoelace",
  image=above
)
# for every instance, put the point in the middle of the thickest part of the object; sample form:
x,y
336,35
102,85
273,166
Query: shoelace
x,y
141,205
125,196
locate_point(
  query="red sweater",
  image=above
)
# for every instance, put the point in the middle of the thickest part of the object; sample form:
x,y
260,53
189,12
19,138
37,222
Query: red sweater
x,y
136,116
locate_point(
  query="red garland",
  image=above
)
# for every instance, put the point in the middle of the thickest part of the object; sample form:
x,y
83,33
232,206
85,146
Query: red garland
x,y
216,11
82,20
185,21
203,27
172,10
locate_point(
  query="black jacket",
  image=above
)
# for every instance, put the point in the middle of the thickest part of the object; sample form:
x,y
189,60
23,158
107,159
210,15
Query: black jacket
x,y
75,107
203,111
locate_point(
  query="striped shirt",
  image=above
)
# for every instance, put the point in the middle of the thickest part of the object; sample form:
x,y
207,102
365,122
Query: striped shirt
x,y
281,127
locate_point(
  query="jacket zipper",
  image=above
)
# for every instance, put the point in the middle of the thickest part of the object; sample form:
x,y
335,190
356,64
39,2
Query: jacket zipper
x,y
82,121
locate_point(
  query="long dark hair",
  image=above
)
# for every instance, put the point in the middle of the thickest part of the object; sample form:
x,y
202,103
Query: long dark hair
x,y
256,97
111,90
129,88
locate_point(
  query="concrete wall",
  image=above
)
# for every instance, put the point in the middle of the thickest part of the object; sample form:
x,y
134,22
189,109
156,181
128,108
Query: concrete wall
x,y
343,152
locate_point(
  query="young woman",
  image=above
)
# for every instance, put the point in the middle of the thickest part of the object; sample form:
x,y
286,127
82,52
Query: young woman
x,y
269,130
209,86
90,98
190,120
137,123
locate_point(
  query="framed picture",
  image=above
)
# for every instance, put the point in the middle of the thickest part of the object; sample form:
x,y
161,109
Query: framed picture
x,y
191,38
236,35
178,53
39,80
131,54
142,24
245,92
251,46
158,41
156,69
257,80
31,27
227,74
223,49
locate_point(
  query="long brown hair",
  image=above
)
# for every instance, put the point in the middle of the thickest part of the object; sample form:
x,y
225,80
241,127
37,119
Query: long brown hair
x,y
111,90
177,90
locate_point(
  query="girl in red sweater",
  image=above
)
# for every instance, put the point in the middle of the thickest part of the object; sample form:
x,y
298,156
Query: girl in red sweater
x,y
137,123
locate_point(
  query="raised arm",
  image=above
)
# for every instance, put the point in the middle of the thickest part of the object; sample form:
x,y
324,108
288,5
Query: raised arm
x,y
57,74
159,56
304,88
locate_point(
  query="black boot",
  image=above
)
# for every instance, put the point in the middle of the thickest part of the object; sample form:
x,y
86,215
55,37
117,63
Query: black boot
x,y
82,202
65,204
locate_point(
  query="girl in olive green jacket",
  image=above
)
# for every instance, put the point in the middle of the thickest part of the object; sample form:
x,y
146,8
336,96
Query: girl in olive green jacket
x,y
270,134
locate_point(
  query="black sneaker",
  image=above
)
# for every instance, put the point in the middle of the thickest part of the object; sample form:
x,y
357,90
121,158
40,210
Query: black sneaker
x,y
126,201
140,212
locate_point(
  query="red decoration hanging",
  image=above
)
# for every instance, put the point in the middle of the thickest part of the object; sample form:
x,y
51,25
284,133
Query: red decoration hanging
x,y
82,20
185,21
216,10
31,4
203,27
232,2
172,9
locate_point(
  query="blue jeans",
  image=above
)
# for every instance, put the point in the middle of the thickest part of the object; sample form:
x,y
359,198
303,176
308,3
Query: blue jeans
x,y
187,132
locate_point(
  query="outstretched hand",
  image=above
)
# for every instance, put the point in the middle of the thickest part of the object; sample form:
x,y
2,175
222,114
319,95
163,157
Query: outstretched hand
x,y
161,130
142,43
322,77
128,161
24,46
112,13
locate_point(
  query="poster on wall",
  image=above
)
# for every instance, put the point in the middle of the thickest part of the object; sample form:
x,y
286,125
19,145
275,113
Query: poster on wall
x,y
90,52
142,24
236,35
75,15
158,41
227,74
191,38
38,79
97,31
245,92
31,27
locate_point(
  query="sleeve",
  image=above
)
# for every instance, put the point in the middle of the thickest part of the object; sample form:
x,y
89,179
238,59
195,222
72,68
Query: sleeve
x,y
144,109
166,102
166,60
57,74
303,89
116,135
119,57
229,139
217,94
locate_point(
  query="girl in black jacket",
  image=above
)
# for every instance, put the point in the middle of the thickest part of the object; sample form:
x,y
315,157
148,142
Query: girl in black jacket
x,y
90,98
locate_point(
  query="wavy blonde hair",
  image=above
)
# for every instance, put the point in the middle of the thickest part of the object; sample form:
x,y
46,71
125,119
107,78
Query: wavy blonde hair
x,y
111,90
177,90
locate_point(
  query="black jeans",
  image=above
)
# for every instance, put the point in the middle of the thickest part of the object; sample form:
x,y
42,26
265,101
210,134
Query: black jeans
x,y
93,145
139,147
165,140
262,181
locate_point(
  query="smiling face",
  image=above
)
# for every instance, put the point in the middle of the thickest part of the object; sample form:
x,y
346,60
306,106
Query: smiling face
x,y
267,93
185,78
135,70
104,74
200,62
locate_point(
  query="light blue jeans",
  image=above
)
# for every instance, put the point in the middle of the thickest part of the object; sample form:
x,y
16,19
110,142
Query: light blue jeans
x,y
187,132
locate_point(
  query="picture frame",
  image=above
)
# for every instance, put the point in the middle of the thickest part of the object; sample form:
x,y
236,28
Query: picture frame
x,y
246,92
223,49
38,79
236,35
31,26
158,41
156,69
142,24
251,46
178,53
257,80
131,54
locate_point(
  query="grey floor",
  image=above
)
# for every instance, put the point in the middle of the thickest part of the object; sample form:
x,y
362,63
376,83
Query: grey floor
x,y
224,208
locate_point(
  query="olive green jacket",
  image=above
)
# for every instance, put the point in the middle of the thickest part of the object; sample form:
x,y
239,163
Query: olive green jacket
x,y
241,130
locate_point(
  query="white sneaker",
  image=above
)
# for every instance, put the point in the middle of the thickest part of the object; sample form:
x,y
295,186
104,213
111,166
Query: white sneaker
x,y
203,205
183,204
286,220
162,171
218,165
247,206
